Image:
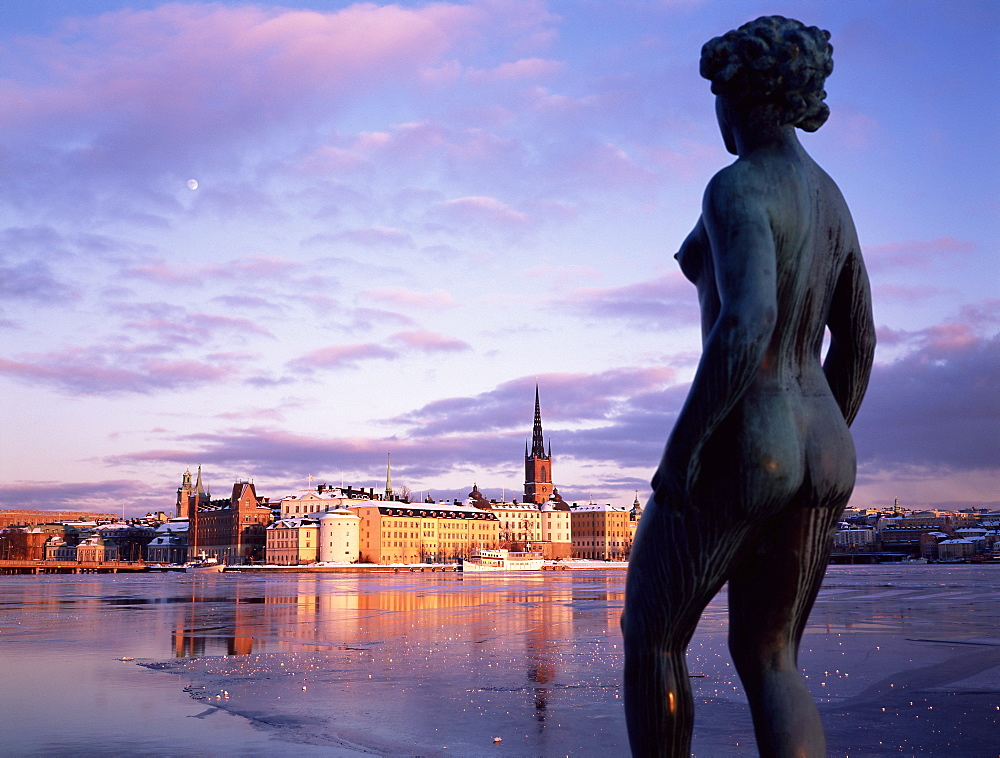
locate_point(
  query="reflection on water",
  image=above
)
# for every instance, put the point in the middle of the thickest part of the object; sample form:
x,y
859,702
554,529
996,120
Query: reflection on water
x,y
440,664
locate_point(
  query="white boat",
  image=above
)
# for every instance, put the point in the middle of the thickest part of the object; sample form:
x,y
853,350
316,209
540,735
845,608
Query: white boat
x,y
204,566
502,560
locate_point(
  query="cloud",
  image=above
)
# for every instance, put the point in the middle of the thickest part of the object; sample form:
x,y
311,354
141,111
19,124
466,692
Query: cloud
x,y
566,398
104,496
376,237
430,342
480,211
341,356
114,370
516,71
253,268
915,254
407,298
666,302
146,82
936,406
33,281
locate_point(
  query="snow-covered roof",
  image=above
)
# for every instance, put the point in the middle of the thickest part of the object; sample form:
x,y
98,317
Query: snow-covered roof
x,y
599,507
293,522
339,514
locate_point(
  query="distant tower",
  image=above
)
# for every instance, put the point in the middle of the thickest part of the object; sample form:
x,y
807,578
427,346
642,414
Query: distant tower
x,y
537,464
388,477
184,493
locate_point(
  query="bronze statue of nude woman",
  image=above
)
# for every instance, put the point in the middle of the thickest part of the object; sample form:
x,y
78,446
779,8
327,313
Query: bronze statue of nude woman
x,y
760,462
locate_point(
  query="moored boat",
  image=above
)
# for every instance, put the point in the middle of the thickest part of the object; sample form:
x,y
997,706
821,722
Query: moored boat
x,y
502,560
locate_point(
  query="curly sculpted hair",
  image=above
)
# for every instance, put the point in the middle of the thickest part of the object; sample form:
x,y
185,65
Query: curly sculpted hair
x,y
775,61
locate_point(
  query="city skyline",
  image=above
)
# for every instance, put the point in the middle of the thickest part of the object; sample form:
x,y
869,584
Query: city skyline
x,y
278,242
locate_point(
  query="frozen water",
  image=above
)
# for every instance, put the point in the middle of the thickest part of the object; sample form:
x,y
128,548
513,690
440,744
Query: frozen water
x,y
901,659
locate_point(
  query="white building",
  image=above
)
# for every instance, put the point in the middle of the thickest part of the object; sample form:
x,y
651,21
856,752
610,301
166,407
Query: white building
x,y
308,502
339,537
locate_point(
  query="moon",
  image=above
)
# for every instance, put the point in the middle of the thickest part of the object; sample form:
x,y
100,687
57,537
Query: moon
x,y
192,184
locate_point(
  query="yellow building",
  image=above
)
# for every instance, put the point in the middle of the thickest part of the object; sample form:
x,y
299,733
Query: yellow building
x,y
293,542
323,499
602,532
396,532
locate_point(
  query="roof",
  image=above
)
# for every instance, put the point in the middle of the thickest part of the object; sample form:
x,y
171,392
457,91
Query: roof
x,y
599,507
338,514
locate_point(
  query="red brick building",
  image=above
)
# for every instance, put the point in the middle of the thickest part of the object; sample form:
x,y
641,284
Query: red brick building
x,y
232,531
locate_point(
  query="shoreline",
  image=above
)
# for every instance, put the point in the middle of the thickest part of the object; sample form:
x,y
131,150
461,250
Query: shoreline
x,y
417,568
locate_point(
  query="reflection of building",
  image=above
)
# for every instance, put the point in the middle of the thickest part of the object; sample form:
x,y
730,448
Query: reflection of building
x,y
602,531
395,532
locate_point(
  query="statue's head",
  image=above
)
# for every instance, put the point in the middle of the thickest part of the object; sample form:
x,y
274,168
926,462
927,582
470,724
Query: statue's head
x,y
776,62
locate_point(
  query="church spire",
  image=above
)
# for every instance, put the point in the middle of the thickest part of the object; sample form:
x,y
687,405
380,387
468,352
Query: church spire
x,y
198,488
537,443
388,477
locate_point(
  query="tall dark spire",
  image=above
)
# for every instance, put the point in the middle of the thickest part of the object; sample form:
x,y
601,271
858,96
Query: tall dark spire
x,y
537,443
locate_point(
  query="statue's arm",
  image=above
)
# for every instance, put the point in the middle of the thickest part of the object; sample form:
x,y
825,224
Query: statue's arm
x,y
848,363
743,257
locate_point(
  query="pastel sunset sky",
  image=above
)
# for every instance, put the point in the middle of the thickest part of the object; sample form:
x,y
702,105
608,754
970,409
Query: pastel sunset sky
x,y
278,241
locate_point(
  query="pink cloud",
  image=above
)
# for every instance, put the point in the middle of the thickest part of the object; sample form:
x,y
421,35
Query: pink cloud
x,y
161,272
196,328
252,268
526,68
164,75
915,254
410,298
341,356
853,128
906,294
430,342
478,210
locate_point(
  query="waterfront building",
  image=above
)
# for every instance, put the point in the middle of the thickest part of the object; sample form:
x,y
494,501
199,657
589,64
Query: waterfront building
x,y
231,531
63,551
556,528
601,531
170,542
339,537
398,532
19,517
323,499
855,539
94,550
957,549
23,544
293,542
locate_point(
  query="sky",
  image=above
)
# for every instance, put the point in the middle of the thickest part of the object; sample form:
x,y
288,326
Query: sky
x,y
281,241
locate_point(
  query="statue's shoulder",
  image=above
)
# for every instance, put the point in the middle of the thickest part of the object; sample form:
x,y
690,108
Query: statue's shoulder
x,y
739,188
